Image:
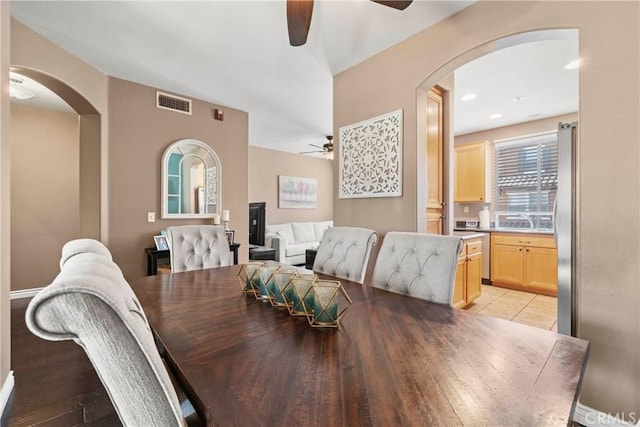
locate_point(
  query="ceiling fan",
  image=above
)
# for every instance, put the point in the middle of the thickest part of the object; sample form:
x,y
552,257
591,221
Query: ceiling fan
x,y
299,17
326,147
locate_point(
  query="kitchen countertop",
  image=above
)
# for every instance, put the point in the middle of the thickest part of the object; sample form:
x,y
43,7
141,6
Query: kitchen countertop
x,y
505,230
473,234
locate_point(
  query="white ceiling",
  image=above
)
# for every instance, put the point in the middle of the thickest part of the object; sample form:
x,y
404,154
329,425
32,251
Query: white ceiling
x,y
236,53
523,82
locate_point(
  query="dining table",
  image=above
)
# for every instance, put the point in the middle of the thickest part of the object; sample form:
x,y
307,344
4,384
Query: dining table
x,y
392,361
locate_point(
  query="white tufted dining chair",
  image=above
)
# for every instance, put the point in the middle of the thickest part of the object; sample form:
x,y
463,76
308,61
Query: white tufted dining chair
x,y
195,247
91,303
418,265
344,252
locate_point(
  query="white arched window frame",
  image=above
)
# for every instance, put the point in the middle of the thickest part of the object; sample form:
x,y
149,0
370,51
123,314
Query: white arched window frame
x,y
191,181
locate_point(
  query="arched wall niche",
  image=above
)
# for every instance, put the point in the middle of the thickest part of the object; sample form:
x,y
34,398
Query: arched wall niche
x,y
78,190
79,103
89,142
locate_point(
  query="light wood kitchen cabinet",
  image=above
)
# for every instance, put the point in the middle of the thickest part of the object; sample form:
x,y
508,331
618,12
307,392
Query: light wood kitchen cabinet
x,y
468,283
525,262
473,173
435,150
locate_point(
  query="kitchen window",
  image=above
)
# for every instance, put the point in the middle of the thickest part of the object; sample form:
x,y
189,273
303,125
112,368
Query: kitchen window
x,y
526,181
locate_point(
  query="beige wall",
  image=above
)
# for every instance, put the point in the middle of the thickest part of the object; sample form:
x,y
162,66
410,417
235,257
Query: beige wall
x,y
608,234
142,132
505,132
519,129
5,192
89,179
265,166
45,211
139,134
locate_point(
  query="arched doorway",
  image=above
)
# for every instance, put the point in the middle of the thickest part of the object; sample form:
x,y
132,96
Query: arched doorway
x,y
55,180
445,73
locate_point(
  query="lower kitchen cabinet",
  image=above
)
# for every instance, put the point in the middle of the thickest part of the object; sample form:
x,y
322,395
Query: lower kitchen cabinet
x,y
468,284
524,262
541,270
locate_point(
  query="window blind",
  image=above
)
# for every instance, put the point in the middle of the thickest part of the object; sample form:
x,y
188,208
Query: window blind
x,y
526,171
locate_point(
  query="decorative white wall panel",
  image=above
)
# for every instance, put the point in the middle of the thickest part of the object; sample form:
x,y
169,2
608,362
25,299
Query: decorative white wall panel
x,y
370,158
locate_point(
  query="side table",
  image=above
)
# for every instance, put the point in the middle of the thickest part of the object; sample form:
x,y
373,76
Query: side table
x,y
153,255
309,258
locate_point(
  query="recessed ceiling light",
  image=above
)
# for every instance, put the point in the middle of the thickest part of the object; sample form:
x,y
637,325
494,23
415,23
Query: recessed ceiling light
x,y
519,98
572,65
17,91
495,116
469,97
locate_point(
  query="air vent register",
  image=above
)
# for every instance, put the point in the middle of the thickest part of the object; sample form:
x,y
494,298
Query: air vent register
x,y
173,103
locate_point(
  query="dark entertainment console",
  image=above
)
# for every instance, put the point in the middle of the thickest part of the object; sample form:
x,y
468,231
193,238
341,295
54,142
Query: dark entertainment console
x,y
153,255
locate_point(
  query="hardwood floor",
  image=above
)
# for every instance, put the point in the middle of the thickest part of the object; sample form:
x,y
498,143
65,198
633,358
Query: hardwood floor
x,y
55,384
531,309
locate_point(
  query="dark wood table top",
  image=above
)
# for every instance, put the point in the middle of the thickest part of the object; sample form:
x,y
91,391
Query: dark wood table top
x,y
394,360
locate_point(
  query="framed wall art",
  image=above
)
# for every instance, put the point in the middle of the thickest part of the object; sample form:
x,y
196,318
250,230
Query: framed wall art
x,y
370,158
297,193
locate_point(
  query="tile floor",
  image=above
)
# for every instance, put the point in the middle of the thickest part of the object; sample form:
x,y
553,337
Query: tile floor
x,y
530,309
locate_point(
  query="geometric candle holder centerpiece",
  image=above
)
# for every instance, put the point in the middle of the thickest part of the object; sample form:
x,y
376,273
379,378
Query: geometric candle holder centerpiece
x,y
263,280
299,301
246,274
281,280
329,302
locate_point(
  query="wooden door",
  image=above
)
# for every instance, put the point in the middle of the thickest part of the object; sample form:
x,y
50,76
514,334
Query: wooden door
x,y
469,176
435,141
541,269
507,264
459,298
474,276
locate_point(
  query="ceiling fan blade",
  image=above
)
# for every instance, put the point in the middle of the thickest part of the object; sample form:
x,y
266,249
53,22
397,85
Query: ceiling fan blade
x,y
317,146
396,4
309,152
299,20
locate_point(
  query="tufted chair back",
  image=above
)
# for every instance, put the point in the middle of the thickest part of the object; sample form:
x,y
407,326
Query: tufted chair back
x,y
91,303
81,246
344,252
194,247
418,265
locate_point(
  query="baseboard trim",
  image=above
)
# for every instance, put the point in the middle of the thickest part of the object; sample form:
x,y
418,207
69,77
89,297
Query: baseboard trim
x,y
590,417
5,393
25,293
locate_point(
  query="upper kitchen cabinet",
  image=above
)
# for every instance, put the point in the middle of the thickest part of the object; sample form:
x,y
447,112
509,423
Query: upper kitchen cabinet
x,y
473,174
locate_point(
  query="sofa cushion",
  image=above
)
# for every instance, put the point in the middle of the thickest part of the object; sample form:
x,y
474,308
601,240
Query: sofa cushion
x,y
303,232
320,227
299,249
282,230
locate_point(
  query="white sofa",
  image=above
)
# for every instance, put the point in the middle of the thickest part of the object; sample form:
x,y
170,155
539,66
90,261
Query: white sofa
x,y
292,239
